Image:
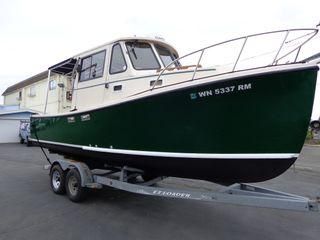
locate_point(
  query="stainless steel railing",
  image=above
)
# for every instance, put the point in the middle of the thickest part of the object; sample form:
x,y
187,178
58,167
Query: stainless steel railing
x,y
308,35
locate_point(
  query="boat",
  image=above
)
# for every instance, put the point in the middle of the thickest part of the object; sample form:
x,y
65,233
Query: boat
x,y
135,104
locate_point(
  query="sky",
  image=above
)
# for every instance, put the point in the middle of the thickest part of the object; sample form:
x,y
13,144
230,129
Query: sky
x,y
36,34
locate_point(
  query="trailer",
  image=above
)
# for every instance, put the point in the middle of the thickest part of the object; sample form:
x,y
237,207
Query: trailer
x,y
75,178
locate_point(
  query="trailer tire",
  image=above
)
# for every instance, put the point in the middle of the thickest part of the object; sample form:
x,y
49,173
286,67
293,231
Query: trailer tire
x,y
28,142
75,192
57,179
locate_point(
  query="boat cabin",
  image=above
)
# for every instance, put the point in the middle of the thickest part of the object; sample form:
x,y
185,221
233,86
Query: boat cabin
x,y
126,67
116,70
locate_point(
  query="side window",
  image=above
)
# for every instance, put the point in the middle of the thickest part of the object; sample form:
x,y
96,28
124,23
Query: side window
x,y
92,66
118,63
166,56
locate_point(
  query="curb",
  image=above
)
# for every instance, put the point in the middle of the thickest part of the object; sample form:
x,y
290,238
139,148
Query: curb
x,y
312,145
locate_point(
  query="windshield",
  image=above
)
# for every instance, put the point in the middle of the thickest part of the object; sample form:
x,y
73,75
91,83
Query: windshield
x,y
166,56
142,56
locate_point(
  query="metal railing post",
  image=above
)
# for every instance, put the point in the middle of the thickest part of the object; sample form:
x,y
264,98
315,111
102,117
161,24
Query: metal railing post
x,y
196,68
244,43
295,60
284,40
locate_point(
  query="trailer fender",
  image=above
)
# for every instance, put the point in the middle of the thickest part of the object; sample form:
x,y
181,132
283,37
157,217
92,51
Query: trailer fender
x,y
83,169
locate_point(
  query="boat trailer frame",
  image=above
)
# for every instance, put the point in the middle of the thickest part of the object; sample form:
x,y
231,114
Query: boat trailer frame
x,y
124,178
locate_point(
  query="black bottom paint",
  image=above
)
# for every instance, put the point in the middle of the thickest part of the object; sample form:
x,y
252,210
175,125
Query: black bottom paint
x,y
214,170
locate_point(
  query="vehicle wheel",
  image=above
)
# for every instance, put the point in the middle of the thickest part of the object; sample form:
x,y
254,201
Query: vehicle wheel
x,y
75,191
57,179
21,140
28,142
315,125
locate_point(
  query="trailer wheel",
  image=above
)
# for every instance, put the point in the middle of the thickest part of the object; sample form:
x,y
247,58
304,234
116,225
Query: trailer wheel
x,y
57,179
75,191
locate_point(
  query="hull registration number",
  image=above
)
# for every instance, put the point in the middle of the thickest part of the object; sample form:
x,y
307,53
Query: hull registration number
x,y
221,91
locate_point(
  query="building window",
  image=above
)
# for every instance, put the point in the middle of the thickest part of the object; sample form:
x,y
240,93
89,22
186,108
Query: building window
x,y
32,92
92,66
118,64
142,56
20,96
52,85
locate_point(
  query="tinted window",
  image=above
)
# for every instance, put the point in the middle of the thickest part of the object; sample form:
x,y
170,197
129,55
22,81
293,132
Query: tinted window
x,y
92,66
142,56
118,64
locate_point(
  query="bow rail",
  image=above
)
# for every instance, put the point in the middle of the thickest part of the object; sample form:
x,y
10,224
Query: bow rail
x,y
307,35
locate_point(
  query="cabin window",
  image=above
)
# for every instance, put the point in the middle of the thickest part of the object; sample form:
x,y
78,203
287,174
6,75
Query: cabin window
x,y
92,66
52,85
118,63
166,56
142,56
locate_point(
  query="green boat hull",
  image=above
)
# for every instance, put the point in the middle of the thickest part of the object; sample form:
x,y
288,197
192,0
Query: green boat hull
x,y
211,131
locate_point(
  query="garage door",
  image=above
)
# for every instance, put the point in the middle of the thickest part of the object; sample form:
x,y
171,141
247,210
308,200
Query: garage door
x,y
9,131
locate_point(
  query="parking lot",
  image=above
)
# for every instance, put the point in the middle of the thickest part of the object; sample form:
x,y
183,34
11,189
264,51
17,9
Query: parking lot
x,y
29,209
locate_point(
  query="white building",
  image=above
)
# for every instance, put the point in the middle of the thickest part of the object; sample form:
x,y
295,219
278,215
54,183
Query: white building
x,y
32,92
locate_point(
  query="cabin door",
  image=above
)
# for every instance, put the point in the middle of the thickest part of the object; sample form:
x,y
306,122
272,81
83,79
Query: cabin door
x,y
92,76
116,84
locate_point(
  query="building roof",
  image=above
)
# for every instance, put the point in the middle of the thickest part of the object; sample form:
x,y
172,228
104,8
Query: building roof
x,y
26,82
22,114
9,107
19,111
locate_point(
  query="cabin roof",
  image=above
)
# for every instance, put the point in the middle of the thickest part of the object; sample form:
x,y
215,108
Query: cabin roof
x,y
44,74
146,39
26,82
66,66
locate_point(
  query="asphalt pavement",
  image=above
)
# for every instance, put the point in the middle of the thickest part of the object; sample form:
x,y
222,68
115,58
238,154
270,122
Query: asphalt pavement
x,y
30,210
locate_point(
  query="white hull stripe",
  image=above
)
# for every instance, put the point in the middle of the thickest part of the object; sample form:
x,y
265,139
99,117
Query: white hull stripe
x,y
180,155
